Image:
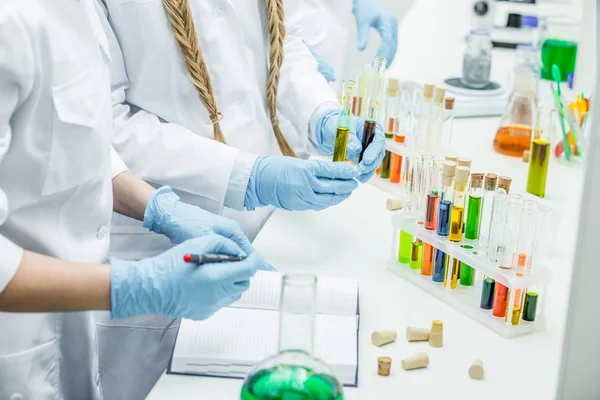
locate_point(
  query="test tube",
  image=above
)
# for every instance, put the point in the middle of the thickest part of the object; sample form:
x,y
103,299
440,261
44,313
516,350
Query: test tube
x,y
416,254
415,108
448,122
405,241
405,247
527,232
467,273
448,172
440,259
405,109
424,115
344,119
461,182
363,90
474,207
436,120
425,184
452,274
393,106
487,293
376,89
489,187
530,306
540,151
497,225
386,164
501,295
541,241
431,210
506,258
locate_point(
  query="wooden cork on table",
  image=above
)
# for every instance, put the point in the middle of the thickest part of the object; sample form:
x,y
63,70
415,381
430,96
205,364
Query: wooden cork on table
x,y
476,370
384,366
436,337
417,334
419,360
393,204
379,338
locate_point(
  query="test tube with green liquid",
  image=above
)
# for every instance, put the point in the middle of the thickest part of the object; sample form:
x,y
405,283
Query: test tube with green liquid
x,y
474,205
540,151
416,255
344,119
405,245
467,273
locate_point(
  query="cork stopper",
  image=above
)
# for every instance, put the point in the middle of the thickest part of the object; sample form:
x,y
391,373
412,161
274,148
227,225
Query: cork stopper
x,y
448,170
477,180
428,90
491,181
439,95
504,183
476,370
462,174
384,366
436,337
452,157
464,162
393,87
449,103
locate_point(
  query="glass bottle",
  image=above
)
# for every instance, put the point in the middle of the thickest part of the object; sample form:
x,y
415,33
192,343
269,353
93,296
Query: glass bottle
x,y
294,373
477,60
514,134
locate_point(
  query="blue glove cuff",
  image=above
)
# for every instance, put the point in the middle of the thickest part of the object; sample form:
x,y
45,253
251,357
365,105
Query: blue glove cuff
x,y
155,213
325,143
123,303
251,200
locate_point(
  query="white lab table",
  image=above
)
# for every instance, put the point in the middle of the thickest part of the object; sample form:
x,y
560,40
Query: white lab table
x,y
354,240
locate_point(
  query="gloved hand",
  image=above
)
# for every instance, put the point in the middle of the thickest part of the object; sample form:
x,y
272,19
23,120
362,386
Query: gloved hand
x,y
292,184
371,13
166,214
326,130
324,67
167,285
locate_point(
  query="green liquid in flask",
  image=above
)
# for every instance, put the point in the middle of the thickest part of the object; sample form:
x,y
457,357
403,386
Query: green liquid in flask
x,y
284,382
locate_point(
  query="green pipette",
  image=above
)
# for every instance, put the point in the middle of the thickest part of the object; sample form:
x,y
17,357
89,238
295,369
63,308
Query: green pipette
x,y
557,77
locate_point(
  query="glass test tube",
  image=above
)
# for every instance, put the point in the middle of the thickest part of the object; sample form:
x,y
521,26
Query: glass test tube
x,y
467,273
497,225
363,90
376,91
452,274
527,232
424,115
344,119
489,187
386,165
461,182
405,247
530,306
501,295
440,259
446,140
448,172
425,184
506,258
393,106
408,177
540,151
404,113
416,254
474,207
487,293
542,235
431,210
436,121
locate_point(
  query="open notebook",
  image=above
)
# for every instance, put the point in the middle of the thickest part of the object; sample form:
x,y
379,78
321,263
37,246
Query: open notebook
x,y
237,337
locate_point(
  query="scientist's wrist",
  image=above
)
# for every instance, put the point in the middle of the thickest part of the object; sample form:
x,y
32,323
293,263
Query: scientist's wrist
x,y
251,199
160,206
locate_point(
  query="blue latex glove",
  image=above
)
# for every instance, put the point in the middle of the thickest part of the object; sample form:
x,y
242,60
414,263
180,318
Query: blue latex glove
x,y
292,184
326,131
324,67
166,214
372,14
167,285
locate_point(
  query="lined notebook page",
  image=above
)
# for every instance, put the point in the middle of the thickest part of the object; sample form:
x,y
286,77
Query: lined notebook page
x,y
335,296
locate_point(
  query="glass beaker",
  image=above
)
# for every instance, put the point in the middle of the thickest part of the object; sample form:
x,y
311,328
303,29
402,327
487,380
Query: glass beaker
x,y
294,373
514,134
477,60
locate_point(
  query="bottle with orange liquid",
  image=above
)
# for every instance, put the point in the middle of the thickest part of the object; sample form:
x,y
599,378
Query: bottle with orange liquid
x,y
514,134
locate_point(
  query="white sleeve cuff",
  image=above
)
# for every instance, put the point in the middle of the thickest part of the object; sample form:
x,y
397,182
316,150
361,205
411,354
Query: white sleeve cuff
x,y
238,181
9,262
117,165
312,124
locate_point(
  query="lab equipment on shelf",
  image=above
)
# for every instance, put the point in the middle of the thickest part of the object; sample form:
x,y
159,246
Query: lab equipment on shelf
x,y
345,117
294,370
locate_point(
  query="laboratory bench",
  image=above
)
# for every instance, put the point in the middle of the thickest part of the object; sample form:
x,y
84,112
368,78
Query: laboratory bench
x,y
354,239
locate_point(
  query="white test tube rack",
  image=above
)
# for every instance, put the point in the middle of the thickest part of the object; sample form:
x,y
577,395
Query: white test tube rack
x,y
467,299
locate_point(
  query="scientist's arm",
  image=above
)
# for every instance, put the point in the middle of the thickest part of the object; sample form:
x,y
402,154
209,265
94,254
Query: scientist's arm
x,y
372,14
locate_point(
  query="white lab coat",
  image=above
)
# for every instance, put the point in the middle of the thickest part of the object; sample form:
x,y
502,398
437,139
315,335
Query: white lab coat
x,y
326,28
164,135
55,135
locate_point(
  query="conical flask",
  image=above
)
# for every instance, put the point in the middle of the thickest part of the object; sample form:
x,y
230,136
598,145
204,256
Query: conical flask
x,y
294,373
514,134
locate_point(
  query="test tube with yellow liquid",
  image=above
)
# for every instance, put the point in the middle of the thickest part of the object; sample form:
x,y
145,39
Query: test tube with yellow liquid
x,y
345,116
459,197
540,151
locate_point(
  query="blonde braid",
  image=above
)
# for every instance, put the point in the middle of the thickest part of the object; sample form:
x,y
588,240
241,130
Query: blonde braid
x,y
277,34
182,25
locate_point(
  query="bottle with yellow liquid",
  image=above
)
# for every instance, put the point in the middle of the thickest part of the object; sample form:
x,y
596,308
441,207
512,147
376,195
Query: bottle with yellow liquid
x,y
514,134
345,116
540,151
